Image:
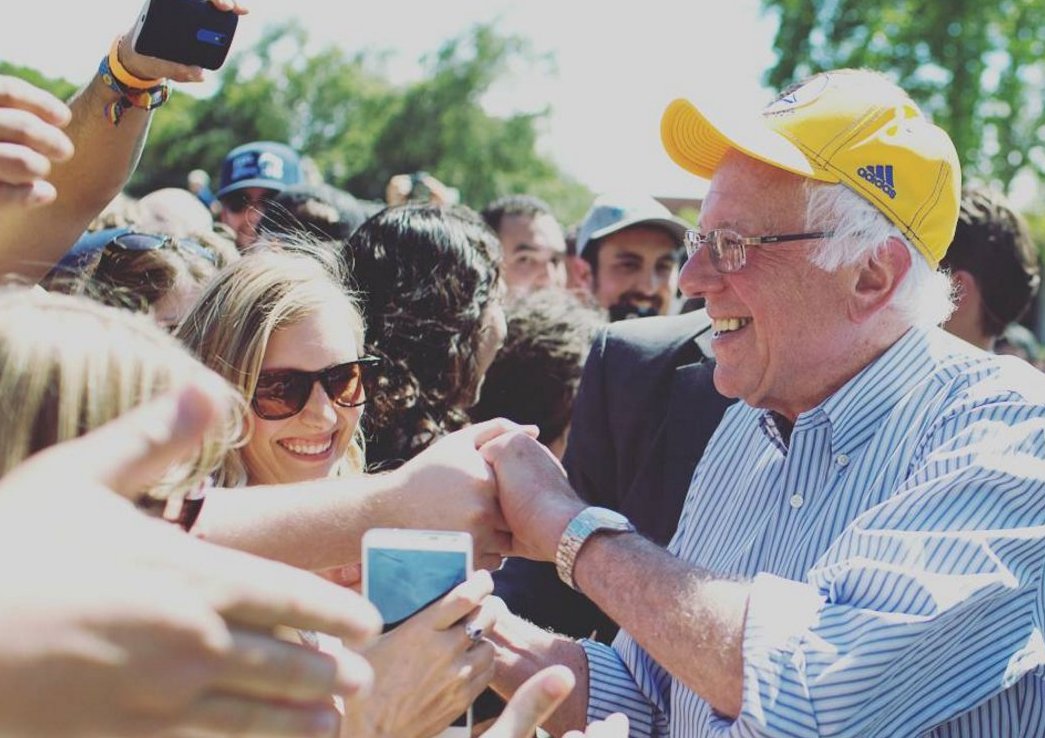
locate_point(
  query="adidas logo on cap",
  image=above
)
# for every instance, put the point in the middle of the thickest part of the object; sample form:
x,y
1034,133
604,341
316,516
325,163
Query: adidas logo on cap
x,y
881,176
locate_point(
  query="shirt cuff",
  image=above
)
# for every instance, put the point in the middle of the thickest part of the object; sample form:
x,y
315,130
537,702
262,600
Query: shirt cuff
x,y
611,689
780,615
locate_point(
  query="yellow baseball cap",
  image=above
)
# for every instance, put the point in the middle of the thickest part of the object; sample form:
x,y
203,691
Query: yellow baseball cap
x,y
848,126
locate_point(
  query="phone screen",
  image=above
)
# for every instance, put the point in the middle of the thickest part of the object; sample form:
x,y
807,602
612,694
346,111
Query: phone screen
x,y
403,581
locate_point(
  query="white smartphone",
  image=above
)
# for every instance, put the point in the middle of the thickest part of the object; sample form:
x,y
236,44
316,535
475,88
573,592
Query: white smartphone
x,y
406,570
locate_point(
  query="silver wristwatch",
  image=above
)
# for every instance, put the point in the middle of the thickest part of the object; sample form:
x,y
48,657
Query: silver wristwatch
x,y
588,521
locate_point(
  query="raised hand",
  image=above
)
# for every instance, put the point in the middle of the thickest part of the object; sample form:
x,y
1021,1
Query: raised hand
x,y
428,670
117,624
536,499
149,67
451,487
31,139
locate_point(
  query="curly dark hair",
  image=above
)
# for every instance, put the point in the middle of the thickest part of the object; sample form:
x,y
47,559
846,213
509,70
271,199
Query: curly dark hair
x,y
426,275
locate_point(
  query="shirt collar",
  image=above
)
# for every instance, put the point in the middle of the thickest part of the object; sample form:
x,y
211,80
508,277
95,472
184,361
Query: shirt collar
x,y
854,411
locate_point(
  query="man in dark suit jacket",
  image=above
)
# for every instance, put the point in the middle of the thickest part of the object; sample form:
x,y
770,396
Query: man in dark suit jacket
x,y
644,412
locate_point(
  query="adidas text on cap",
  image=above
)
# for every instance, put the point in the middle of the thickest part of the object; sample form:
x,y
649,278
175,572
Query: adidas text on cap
x,y
848,126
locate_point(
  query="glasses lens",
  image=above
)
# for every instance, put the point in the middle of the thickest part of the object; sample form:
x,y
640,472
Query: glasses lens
x,y
139,241
281,394
727,251
344,384
237,202
692,242
198,249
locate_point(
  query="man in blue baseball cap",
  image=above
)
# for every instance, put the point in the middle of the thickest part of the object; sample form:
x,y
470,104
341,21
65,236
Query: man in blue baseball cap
x,y
251,175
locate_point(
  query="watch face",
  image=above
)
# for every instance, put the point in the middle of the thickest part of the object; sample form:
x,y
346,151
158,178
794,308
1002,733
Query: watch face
x,y
603,518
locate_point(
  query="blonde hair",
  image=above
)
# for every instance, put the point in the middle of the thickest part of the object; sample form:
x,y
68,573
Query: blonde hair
x,y
274,285
69,365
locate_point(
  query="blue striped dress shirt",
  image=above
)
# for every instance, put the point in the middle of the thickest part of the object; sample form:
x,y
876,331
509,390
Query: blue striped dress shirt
x,y
896,551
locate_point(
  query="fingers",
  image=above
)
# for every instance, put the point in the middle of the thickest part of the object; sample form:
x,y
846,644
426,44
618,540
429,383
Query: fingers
x,y
460,601
262,594
615,726
134,450
262,666
227,715
30,195
483,621
531,705
481,433
29,129
477,671
151,67
17,93
230,5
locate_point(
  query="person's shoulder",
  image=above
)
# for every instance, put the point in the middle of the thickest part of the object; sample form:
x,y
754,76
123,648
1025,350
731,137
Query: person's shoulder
x,y
969,372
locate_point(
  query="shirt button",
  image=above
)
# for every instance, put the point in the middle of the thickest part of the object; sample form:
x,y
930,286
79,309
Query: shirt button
x,y
842,460
796,501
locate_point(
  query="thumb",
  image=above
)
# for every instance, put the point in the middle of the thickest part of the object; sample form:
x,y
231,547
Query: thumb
x,y
134,450
486,431
531,705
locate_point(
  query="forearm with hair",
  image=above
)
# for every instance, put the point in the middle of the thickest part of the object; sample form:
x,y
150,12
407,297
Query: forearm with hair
x,y
311,525
32,240
690,623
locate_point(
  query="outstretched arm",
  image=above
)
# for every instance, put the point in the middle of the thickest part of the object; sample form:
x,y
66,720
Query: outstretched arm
x,y
33,239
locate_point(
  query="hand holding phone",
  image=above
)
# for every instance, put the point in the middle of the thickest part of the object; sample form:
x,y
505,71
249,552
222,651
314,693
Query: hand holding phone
x,y
431,662
191,32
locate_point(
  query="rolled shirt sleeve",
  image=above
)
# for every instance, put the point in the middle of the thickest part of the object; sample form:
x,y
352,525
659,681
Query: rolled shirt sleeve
x,y
614,683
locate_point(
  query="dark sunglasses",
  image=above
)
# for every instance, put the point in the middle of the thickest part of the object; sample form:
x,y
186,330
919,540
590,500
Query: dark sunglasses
x,y
282,393
237,202
151,242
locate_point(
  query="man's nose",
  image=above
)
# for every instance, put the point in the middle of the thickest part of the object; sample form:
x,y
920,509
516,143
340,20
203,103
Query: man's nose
x,y
698,275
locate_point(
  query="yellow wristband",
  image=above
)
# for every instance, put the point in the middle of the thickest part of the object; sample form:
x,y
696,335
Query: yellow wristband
x,y
124,77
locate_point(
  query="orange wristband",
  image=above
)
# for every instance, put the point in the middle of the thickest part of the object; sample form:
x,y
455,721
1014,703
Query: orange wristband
x,y
124,77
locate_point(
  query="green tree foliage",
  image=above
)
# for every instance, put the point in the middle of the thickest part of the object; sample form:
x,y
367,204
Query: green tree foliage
x,y
977,67
60,88
358,127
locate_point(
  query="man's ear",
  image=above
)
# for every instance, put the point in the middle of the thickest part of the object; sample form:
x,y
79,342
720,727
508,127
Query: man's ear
x,y
878,278
964,286
580,274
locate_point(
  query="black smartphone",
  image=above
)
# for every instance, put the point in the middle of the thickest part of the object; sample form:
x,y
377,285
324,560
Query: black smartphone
x,y
190,32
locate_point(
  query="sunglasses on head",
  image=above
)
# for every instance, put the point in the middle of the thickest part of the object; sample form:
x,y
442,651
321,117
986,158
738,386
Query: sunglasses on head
x,y
237,202
151,242
282,393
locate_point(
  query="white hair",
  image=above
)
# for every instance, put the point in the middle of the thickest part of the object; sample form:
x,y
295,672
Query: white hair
x,y
924,297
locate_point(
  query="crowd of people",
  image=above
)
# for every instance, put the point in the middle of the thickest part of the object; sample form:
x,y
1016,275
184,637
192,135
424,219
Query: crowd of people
x,y
771,474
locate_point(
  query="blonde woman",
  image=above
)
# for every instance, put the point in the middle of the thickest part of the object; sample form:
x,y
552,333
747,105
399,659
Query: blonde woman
x,y
280,328
68,365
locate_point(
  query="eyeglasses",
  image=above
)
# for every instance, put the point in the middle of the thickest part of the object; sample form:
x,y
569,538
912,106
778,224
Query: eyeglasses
x,y
151,242
237,202
282,393
728,249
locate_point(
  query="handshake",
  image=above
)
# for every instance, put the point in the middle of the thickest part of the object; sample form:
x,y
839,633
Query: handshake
x,y
126,626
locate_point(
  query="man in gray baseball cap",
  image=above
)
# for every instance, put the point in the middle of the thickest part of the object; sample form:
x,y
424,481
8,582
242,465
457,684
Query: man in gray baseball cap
x,y
627,255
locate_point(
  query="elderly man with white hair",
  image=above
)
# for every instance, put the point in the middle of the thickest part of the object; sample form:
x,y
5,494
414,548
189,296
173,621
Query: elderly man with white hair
x,y
862,548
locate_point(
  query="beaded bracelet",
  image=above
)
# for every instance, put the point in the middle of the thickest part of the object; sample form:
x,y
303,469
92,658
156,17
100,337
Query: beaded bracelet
x,y
152,94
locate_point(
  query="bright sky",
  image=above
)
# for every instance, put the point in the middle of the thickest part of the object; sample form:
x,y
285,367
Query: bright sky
x,y
614,72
